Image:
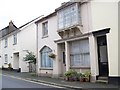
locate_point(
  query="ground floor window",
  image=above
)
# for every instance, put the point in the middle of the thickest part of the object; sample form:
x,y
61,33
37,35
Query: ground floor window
x,y
6,59
46,61
79,53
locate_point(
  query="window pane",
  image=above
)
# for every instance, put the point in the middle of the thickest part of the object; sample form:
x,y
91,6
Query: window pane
x,y
79,51
67,17
46,60
45,28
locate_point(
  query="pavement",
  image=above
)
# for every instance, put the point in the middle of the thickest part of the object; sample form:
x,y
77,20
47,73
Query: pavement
x,y
74,85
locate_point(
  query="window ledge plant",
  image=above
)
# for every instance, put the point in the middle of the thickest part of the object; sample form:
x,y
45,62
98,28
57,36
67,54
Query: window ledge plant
x,y
52,55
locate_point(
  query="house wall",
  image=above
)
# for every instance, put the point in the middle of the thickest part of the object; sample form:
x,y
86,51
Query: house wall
x,y
105,14
49,42
9,50
27,42
0,53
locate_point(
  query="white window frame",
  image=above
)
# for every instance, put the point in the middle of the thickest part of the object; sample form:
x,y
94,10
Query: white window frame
x,y
6,42
47,60
45,29
14,39
66,16
79,55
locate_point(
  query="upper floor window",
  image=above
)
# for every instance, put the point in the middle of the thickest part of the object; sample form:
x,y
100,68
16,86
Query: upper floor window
x,y
45,29
14,39
6,42
68,16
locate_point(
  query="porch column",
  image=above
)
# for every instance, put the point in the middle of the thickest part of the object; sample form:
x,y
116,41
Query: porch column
x,y
67,53
93,57
58,61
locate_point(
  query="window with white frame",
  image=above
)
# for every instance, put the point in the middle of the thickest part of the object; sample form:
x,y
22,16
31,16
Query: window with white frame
x,y
45,28
79,53
68,16
6,59
46,61
6,42
14,39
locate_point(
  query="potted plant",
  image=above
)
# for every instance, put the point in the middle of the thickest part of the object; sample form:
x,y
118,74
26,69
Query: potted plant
x,y
2,67
67,75
9,66
71,75
87,76
81,77
52,55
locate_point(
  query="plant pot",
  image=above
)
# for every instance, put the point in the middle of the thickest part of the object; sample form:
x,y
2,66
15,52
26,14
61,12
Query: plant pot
x,y
71,79
82,79
66,78
87,79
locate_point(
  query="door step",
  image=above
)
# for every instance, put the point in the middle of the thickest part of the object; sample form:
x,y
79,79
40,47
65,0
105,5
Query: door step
x,y
102,78
102,81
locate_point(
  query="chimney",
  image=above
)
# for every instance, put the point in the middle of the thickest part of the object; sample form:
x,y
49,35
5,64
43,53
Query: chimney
x,y
11,25
63,3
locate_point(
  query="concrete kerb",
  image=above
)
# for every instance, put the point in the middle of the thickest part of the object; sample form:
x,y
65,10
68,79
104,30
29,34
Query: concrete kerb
x,y
66,86
45,82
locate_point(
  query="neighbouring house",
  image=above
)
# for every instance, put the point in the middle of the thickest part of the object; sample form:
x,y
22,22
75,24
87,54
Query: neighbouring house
x,y
15,42
86,37
9,44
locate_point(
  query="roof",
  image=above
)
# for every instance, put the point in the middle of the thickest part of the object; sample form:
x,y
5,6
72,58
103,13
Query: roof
x,y
46,17
63,5
30,21
7,30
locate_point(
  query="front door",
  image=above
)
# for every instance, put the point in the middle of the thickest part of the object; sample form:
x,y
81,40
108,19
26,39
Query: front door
x,y
102,55
64,62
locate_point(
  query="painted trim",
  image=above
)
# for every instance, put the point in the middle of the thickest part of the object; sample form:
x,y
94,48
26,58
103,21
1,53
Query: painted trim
x,y
101,32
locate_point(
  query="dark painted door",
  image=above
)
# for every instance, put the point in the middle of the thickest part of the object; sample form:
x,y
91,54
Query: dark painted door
x,y
102,56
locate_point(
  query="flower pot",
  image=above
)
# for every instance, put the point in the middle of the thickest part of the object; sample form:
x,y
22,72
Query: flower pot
x,y
82,79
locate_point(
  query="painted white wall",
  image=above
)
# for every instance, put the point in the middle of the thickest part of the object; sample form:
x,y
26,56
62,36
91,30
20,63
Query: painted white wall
x,y
48,41
10,49
105,14
0,54
27,42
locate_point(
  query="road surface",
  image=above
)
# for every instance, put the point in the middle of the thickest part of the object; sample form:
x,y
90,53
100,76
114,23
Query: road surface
x,y
11,82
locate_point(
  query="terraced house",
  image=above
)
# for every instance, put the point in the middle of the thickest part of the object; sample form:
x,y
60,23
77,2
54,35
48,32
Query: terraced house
x,y
15,42
81,35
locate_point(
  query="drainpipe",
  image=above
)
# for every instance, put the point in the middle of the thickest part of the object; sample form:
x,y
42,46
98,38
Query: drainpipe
x,y
36,48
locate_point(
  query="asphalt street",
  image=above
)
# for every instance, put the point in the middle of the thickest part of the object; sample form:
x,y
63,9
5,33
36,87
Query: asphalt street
x,y
11,82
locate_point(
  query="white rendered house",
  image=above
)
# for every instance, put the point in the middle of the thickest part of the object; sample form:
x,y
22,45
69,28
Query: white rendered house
x,y
85,33
14,45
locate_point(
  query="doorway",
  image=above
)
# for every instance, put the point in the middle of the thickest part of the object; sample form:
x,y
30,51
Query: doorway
x,y
102,55
16,61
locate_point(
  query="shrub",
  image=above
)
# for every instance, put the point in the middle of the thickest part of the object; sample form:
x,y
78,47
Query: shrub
x,y
71,75
9,66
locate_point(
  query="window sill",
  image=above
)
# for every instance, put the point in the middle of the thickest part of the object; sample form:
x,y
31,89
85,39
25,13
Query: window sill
x,y
46,68
44,36
72,67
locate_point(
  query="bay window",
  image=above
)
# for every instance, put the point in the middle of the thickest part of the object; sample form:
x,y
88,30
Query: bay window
x,y
79,53
68,16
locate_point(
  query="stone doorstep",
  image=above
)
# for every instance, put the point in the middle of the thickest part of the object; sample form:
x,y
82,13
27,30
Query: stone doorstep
x,y
102,81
